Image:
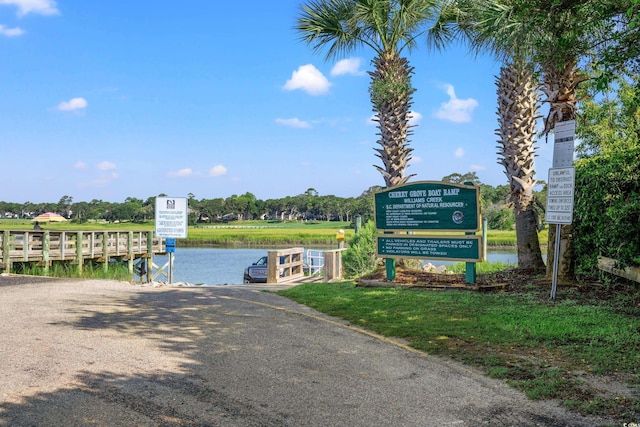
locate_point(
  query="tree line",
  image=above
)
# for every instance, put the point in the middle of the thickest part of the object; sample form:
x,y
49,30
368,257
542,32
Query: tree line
x,y
307,206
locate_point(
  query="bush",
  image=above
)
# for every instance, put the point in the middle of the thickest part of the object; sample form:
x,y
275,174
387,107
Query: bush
x,y
607,210
499,217
361,257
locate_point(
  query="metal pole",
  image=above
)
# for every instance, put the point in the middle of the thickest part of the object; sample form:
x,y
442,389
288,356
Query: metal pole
x,y
171,268
556,250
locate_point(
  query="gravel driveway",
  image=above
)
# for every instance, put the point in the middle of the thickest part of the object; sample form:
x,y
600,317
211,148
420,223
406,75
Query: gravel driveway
x,y
106,353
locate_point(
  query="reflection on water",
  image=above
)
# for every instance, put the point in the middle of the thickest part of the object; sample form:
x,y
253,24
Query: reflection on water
x,y
219,266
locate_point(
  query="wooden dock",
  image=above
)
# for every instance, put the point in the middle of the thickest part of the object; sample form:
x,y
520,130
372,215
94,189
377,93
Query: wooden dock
x,y
76,247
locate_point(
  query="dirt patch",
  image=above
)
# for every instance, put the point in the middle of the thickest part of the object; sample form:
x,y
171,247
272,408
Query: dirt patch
x,y
510,279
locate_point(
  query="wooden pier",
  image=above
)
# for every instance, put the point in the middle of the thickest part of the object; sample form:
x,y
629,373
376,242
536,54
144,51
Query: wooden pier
x,y
78,247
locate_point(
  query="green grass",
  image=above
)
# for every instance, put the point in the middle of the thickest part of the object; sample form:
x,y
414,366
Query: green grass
x,y
115,271
540,347
259,233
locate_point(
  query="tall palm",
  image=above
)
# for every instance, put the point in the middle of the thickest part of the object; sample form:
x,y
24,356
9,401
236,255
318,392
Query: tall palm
x,y
555,34
518,104
388,27
517,111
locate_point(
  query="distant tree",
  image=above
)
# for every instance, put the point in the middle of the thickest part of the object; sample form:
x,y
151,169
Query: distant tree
x,y
457,178
64,205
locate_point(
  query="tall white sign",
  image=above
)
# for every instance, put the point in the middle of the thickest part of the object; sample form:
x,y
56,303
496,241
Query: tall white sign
x,y
171,217
560,194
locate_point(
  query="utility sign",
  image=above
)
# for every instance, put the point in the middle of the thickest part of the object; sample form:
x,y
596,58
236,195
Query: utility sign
x,y
560,195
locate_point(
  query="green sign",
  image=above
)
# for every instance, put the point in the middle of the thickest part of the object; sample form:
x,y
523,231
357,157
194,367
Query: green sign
x,y
428,205
458,248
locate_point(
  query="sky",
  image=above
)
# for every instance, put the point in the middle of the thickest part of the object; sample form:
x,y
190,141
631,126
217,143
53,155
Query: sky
x,y
107,100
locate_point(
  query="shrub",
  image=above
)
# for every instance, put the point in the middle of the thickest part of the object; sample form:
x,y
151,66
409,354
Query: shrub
x,y
361,257
607,209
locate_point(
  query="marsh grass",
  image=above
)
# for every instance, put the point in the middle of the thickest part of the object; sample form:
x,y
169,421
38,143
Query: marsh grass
x,y
116,270
258,233
540,347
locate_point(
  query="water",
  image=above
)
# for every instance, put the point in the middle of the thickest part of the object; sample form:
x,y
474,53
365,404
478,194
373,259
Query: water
x,y
218,266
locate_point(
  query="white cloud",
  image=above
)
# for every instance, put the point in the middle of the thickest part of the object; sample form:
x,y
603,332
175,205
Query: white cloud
x,y
294,123
106,166
101,181
456,110
180,173
309,79
80,165
218,170
459,152
10,32
42,7
477,168
414,118
73,104
347,66
415,160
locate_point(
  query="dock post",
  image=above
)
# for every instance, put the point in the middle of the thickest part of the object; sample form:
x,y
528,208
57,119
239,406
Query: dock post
x,y
79,257
6,251
105,251
130,253
46,246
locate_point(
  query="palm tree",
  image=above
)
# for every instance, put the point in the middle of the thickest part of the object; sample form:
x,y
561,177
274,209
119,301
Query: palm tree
x,y
518,107
518,103
388,27
555,34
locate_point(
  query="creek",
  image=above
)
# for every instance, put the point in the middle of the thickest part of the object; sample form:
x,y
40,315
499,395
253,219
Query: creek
x,y
225,266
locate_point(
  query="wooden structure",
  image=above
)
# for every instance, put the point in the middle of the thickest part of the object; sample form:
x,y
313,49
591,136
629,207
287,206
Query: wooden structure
x,y
608,265
285,265
78,247
333,264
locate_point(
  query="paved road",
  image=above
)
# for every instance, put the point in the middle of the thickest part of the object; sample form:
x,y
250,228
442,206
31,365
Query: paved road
x,y
104,353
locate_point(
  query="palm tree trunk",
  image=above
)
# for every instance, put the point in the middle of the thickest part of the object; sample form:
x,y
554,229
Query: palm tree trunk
x,y
391,93
518,104
560,87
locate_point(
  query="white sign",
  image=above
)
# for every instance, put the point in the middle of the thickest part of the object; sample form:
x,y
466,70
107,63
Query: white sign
x,y
560,194
564,136
171,217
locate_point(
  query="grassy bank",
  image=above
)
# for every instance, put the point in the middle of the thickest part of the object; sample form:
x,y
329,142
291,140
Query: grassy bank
x,y
254,233
583,349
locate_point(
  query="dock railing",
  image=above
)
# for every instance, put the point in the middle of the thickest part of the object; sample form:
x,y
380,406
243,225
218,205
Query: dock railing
x,y
284,265
45,246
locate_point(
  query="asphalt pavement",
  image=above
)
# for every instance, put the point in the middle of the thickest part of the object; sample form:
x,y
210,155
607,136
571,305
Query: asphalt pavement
x,y
107,353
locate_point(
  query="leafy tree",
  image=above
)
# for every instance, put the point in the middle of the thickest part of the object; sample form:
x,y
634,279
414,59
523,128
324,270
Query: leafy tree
x,y
457,178
64,205
610,120
388,27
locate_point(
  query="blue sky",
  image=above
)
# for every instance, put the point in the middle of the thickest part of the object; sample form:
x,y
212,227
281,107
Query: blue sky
x,y
114,99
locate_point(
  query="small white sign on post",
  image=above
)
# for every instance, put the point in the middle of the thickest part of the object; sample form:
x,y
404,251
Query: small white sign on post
x,y
565,133
171,217
560,195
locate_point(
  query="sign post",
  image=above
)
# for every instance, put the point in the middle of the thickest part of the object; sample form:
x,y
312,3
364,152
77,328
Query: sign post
x,y
171,222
